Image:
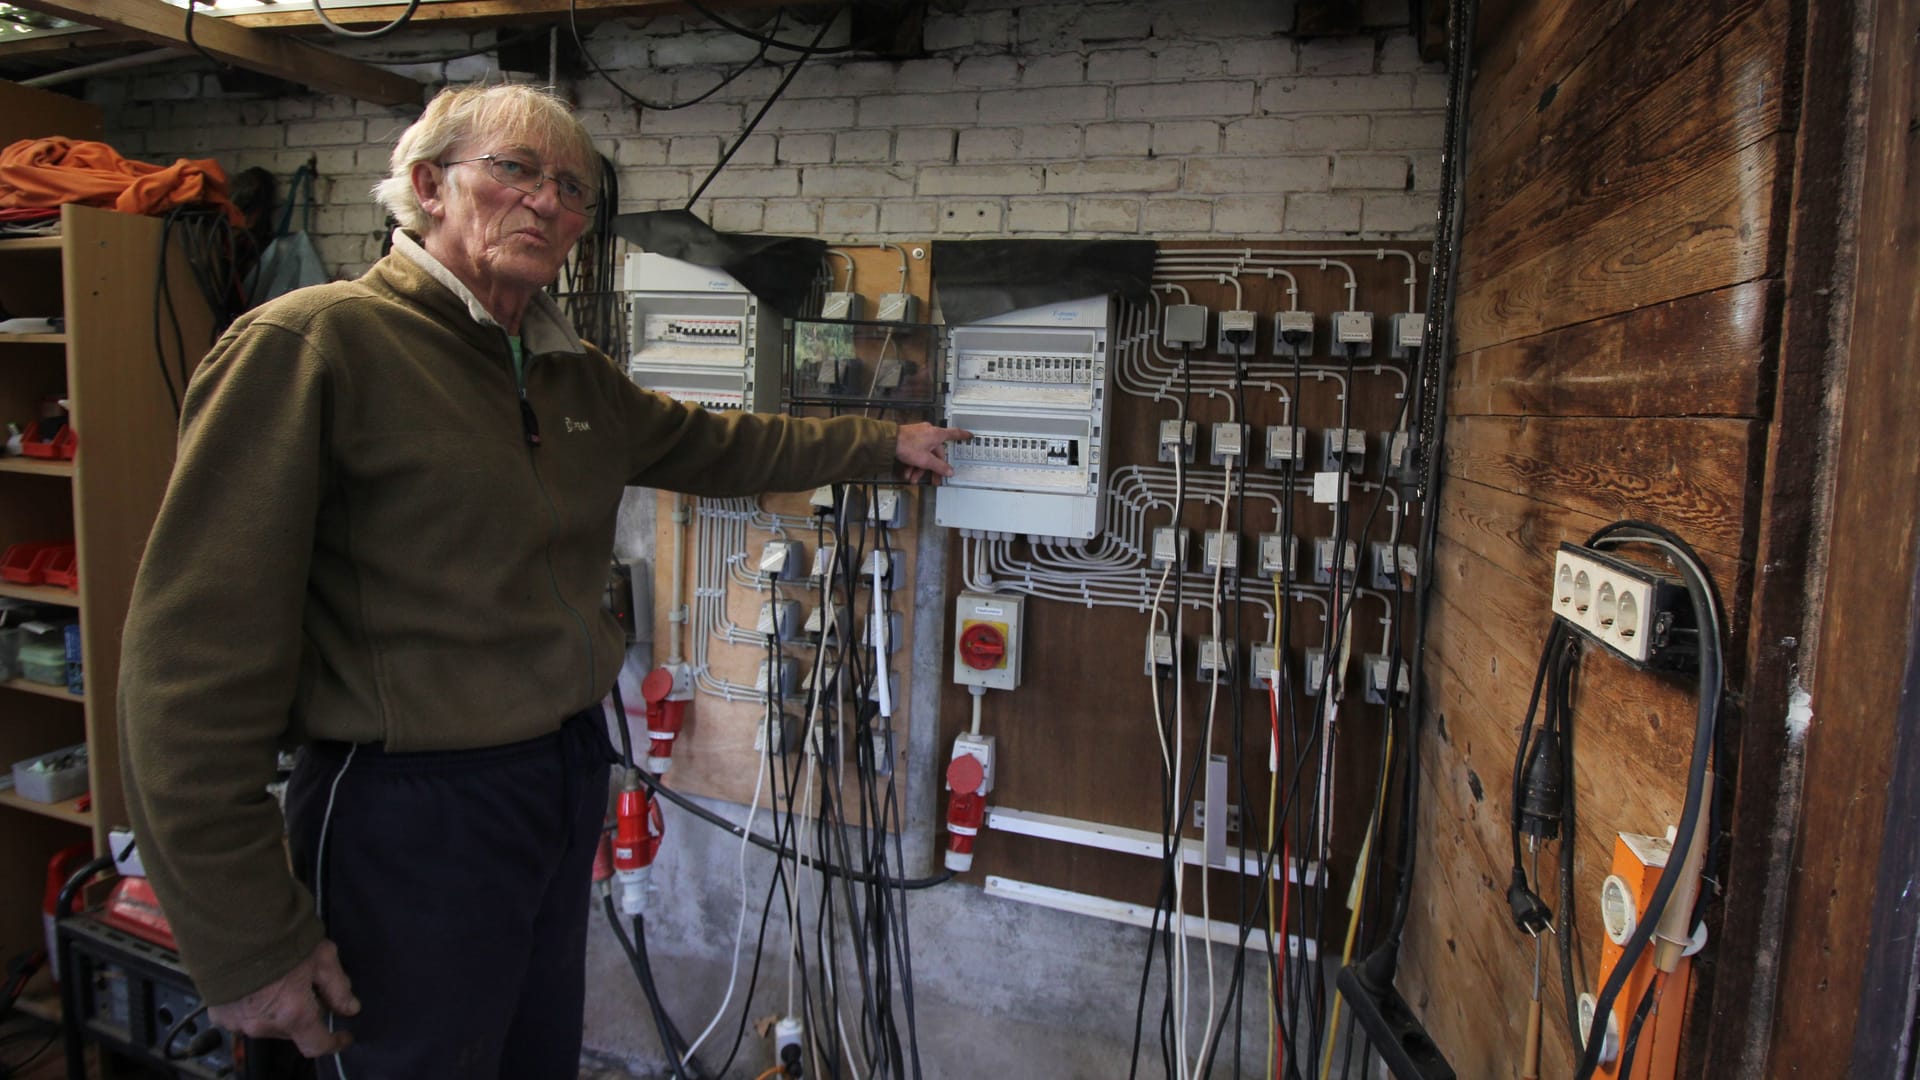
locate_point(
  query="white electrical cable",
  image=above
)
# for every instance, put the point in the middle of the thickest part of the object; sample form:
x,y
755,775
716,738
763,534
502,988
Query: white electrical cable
x,y
740,925
1206,747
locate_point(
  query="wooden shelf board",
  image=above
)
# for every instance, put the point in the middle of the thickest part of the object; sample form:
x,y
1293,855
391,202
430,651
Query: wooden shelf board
x,y
30,243
41,594
45,1008
60,811
34,339
36,466
58,693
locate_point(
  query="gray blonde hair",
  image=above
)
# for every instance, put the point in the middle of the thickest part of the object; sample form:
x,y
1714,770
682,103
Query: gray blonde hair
x,y
511,110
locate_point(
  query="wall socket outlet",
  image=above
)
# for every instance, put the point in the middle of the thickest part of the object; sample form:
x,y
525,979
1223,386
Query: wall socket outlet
x,y
1639,613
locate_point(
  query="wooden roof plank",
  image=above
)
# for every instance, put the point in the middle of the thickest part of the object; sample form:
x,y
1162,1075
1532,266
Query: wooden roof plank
x,y
255,50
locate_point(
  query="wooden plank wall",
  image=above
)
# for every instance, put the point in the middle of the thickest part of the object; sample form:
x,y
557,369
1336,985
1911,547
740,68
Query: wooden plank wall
x,y
1825,1005
1617,329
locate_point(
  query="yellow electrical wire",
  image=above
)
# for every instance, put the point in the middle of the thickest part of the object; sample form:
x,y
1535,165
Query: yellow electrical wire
x,y
771,1073
1358,894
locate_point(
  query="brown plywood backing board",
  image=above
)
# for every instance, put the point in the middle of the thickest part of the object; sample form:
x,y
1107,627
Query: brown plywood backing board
x,y
1078,739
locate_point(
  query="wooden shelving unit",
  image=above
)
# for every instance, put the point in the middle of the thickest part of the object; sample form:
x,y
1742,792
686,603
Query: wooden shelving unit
x,y
99,274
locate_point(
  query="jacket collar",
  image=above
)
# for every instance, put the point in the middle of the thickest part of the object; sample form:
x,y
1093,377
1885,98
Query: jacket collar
x,y
544,328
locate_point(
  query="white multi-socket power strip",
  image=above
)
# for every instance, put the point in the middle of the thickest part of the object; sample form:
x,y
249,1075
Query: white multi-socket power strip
x,y
1640,613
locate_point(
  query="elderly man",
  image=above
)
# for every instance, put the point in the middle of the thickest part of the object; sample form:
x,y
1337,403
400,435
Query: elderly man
x,y
385,542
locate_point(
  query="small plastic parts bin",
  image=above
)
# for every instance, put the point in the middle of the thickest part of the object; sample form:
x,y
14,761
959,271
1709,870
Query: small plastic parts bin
x,y
42,563
52,777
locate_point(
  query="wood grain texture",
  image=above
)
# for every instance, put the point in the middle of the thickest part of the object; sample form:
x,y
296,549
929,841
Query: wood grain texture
x,y
1712,230
1789,543
1526,47
1624,69
1617,330
1693,475
28,112
127,431
1724,99
1520,535
1701,355
1863,638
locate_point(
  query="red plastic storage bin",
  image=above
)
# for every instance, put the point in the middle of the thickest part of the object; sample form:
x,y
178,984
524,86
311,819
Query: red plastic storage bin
x,y
62,567
41,563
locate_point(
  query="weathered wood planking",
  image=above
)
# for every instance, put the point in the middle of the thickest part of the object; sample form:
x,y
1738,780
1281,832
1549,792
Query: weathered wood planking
x,y
1725,99
1701,355
1867,600
1523,52
1521,534
1463,877
1710,231
1627,67
1692,475
1499,648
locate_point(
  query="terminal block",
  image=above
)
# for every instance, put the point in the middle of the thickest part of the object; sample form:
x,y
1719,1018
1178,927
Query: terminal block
x,y
781,560
1230,443
779,619
1177,436
1184,326
1262,667
1159,654
1409,334
841,305
1353,333
1348,447
1169,547
1293,333
1286,446
1323,561
1222,552
1215,663
1279,554
1376,669
1237,329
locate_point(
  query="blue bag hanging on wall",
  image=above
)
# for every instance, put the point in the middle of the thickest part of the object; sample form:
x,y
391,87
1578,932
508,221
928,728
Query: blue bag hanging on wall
x,y
290,261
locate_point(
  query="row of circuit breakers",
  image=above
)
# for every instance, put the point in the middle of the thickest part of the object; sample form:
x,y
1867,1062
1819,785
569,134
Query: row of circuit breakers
x,y
1030,385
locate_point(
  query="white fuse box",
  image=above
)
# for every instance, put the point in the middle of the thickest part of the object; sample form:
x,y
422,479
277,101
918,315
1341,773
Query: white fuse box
x,y
697,335
1032,386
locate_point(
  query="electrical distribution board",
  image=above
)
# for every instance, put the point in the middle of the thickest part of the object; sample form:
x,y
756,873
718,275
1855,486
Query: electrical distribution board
x,y
1031,386
697,335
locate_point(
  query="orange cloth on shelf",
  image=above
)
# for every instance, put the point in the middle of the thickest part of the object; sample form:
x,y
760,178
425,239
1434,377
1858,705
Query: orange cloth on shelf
x,y
49,172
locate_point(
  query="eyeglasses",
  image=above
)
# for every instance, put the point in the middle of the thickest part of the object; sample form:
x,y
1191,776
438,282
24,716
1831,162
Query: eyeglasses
x,y
527,178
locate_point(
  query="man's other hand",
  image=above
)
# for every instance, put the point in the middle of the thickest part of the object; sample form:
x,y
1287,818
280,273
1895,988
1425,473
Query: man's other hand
x,y
291,1007
923,450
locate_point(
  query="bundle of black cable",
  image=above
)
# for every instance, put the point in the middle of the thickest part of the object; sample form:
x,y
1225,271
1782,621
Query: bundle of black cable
x,y
1543,803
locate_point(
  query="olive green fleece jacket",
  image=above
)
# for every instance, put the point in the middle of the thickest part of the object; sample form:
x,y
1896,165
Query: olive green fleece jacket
x,y
360,543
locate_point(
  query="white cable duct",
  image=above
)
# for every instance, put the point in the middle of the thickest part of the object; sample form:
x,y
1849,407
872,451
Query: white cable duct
x,y
1136,374
1256,258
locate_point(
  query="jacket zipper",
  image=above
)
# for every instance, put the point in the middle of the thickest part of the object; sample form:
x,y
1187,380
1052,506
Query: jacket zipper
x,y
530,428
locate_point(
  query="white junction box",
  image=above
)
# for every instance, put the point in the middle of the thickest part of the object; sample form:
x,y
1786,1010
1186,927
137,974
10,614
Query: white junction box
x,y
987,631
697,335
1032,386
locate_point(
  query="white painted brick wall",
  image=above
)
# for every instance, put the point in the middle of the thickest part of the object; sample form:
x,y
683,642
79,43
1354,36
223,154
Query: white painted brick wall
x,y
1156,118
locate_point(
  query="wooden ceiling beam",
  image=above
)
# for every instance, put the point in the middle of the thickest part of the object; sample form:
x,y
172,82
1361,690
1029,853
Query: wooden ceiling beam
x,y
456,12
269,54
62,44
